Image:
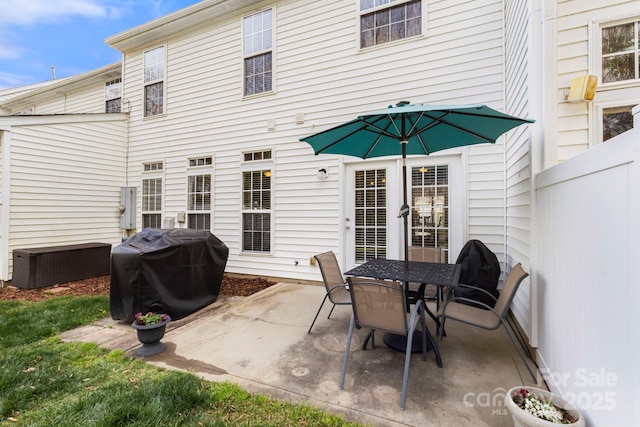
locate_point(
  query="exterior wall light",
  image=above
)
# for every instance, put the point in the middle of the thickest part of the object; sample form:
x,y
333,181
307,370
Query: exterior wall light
x,y
322,174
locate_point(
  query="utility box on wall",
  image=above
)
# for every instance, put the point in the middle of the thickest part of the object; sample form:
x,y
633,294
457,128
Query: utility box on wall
x,y
128,208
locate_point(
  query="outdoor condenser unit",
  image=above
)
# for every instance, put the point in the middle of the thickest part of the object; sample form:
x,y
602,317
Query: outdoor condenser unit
x,y
128,207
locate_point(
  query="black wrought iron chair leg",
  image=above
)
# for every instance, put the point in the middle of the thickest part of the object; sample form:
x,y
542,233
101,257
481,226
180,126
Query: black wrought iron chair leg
x,y
370,336
317,313
334,306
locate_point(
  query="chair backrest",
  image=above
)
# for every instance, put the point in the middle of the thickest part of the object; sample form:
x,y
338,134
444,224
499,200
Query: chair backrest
x,y
378,304
515,277
330,269
418,253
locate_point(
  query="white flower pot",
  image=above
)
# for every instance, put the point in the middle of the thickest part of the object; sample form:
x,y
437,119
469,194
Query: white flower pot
x,y
525,419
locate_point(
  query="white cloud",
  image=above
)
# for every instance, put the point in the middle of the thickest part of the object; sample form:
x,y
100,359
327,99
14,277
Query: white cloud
x,y
9,52
27,12
8,80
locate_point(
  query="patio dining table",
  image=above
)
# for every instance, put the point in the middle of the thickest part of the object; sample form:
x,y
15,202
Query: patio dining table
x,y
439,274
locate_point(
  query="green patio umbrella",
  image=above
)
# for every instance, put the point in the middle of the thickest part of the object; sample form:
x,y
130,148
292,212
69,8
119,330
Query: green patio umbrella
x,y
418,129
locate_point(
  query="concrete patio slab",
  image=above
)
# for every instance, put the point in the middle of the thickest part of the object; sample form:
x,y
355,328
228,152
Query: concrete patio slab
x,y
261,343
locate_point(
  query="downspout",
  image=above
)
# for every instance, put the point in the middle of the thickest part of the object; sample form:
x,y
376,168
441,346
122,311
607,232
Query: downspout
x,y
543,42
5,202
504,146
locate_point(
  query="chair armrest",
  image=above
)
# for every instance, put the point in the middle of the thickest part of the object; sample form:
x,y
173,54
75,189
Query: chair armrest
x,y
475,288
442,311
341,285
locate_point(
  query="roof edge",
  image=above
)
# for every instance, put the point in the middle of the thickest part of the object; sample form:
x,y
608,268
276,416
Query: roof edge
x,y
175,22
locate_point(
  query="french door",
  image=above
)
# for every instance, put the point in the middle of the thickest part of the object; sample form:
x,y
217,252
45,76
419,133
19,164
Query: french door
x,y
373,228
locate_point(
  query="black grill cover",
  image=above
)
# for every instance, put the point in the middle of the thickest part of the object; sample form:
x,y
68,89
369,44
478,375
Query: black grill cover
x,y
480,268
175,271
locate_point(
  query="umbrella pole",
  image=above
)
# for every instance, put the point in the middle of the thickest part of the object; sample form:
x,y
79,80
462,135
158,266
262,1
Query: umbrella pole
x,y
404,211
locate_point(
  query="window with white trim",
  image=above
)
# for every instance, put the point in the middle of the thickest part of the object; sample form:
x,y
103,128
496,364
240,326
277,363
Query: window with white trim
x,y
384,21
257,48
617,58
256,203
199,193
620,52
152,195
154,76
113,96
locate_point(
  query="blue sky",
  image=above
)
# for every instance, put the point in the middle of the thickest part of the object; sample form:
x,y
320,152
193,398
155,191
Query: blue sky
x,y
67,34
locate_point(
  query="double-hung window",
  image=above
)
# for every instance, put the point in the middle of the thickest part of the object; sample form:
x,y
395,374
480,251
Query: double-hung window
x,y
620,75
152,195
199,193
154,76
113,96
620,52
384,21
256,202
257,47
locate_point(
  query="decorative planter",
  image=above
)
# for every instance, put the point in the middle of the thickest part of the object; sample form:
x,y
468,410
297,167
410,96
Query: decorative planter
x,y
522,418
150,336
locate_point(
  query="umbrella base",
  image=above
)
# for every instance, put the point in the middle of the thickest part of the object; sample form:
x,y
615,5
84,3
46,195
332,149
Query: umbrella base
x,y
399,342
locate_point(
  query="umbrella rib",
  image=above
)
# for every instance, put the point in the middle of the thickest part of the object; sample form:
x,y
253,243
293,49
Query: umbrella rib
x,y
381,131
323,149
440,121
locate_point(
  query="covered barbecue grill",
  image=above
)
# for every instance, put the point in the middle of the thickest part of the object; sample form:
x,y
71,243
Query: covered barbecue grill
x,y
175,271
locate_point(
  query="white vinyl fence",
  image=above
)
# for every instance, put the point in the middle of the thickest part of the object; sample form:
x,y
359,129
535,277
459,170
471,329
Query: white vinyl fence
x,y
588,279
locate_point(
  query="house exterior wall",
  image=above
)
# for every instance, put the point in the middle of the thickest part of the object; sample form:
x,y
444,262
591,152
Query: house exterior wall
x,y
320,74
587,279
84,100
61,180
577,27
517,158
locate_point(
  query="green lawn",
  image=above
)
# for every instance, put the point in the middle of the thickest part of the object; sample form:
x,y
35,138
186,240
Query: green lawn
x,y
45,382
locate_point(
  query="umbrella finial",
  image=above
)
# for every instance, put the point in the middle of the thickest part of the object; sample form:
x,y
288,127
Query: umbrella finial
x,y
402,103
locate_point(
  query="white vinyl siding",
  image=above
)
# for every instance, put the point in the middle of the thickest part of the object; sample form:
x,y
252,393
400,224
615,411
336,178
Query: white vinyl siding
x,y
323,80
65,179
517,157
81,101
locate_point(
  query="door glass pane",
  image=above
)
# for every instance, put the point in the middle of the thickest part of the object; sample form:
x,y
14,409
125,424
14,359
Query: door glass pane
x,y
370,215
430,207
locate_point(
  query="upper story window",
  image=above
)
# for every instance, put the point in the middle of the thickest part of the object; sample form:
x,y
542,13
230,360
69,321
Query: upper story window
x,y
113,96
154,75
384,21
620,52
257,42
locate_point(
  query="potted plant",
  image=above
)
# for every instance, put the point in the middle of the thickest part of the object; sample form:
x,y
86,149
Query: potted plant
x,y
150,328
534,407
